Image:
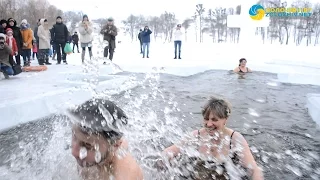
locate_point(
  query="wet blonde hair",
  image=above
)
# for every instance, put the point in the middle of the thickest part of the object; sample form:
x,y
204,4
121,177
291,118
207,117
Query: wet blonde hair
x,y
218,106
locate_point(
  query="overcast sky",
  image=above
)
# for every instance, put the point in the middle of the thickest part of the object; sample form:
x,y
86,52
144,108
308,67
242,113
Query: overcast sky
x,y
120,9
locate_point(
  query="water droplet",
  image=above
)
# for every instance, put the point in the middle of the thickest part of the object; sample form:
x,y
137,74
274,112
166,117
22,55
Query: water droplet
x,y
97,157
83,153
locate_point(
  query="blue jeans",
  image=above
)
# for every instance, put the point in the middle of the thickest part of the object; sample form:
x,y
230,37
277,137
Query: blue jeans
x,y
6,69
176,44
144,47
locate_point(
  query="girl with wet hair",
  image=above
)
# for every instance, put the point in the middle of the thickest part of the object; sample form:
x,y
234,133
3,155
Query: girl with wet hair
x,y
242,67
97,141
221,153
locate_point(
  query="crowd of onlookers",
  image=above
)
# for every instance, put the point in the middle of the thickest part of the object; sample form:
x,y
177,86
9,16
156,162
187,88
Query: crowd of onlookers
x,y
19,40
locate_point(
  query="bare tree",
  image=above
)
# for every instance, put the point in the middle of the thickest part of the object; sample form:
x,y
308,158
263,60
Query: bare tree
x,y
186,24
200,10
131,24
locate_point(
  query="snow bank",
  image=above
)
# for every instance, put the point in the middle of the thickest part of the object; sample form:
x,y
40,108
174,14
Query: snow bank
x,y
313,105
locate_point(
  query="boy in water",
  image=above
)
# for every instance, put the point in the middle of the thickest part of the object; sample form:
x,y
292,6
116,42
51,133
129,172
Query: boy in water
x,y
97,142
5,51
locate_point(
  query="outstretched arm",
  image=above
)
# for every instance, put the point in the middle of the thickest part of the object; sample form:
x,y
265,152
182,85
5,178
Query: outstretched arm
x,y
247,159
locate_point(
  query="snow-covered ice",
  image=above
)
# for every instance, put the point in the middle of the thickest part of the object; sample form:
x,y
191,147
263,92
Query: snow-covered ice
x,y
313,105
30,96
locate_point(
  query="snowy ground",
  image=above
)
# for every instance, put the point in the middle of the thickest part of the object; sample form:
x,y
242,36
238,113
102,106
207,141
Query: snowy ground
x,y
30,96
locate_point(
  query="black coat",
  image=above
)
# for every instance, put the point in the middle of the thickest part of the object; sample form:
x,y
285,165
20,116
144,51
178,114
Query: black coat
x,y
59,33
16,34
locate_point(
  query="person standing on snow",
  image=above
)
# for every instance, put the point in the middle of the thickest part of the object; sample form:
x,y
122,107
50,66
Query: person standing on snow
x,y
59,36
11,42
177,41
75,41
17,36
109,32
140,39
86,38
35,33
27,38
44,42
145,36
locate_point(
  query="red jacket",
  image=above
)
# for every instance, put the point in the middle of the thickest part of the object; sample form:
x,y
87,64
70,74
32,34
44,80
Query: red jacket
x,y
14,46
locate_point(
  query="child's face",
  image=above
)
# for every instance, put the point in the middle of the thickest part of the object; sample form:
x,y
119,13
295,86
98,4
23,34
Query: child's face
x,y
9,34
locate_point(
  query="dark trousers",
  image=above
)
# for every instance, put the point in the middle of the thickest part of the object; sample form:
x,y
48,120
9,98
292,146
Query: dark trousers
x,y
18,61
141,46
34,54
60,48
43,56
26,55
177,47
111,51
75,44
11,61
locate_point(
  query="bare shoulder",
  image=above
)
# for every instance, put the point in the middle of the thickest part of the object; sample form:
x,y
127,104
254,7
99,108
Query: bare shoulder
x,y
127,168
238,138
236,69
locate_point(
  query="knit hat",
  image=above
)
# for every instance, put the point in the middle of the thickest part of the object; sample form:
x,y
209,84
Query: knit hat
x,y
3,21
24,21
3,36
9,30
59,17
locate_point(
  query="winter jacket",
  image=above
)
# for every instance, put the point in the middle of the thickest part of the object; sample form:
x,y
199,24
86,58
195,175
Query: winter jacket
x,y
75,38
2,30
44,35
145,36
85,30
177,35
60,33
11,41
16,34
27,36
109,34
35,33
4,53
139,36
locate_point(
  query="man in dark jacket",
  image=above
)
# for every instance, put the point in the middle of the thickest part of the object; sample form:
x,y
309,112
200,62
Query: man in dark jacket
x,y
140,39
35,32
3,26
59,36
35,35
145,36
109,33
75,41
17,36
